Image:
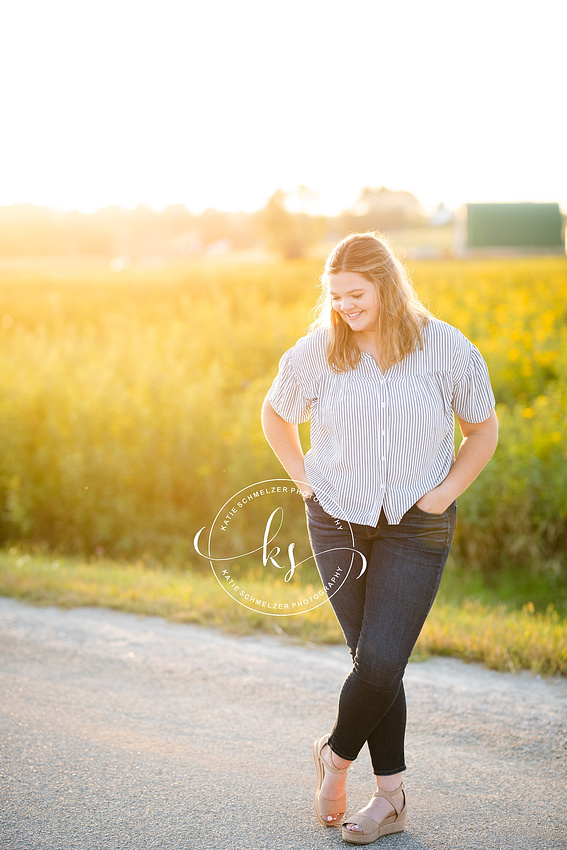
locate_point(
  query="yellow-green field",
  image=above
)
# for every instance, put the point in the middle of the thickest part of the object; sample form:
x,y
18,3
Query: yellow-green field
x,y
129,411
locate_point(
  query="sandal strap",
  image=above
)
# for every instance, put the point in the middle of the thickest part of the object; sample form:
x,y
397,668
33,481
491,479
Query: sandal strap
x,y
388,796
329,764
366,823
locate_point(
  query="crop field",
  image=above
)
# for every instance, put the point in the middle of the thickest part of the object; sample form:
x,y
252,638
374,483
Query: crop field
x,y
129,405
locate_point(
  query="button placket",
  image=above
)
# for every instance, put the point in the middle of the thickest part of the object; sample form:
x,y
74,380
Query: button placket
x,y
384,434
381,432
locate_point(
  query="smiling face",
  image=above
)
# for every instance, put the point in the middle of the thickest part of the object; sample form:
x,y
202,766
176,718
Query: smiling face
x,y
355,299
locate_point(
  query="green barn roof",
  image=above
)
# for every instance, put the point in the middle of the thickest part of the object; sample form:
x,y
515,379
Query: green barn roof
x,y
514,226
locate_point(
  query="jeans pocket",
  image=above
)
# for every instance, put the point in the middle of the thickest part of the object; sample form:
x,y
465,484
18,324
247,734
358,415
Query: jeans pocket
x,y
428,513
450,511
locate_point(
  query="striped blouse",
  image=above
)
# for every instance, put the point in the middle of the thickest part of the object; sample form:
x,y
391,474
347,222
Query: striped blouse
x,y
381,440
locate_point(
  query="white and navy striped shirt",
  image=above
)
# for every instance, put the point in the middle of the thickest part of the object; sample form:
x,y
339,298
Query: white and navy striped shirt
x,y
381,440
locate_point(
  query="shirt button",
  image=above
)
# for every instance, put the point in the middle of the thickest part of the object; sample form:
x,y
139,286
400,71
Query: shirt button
x,y
383,458
383,433
383,404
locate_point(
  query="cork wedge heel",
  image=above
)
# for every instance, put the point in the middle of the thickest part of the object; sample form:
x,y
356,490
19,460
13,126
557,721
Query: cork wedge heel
x,y
371,829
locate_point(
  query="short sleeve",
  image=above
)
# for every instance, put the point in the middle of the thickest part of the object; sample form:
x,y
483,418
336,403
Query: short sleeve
x,y
473,398
286,394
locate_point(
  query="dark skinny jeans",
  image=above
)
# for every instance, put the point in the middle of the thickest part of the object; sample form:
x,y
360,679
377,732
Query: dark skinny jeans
x,y
381,615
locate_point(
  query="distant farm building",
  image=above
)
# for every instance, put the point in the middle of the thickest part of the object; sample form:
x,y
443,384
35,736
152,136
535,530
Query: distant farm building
x,y
509,228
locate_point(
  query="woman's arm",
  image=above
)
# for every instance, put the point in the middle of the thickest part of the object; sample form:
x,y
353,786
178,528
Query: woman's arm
x,y
479,443
284,440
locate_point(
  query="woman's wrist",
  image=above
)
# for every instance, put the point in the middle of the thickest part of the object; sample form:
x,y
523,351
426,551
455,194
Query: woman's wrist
x,y
437,500
304,488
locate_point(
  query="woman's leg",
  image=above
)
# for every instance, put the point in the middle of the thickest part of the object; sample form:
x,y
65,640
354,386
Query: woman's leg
x,y
333,542
386,741
403,576
381,615
405,571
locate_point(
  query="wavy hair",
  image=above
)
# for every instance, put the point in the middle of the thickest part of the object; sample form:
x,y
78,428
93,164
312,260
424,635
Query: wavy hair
x,y
401,316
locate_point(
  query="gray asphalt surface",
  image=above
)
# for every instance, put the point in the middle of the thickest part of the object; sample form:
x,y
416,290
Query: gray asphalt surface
x,y
126,732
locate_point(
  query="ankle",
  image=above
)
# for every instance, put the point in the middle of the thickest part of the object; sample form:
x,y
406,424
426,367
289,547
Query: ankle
x,y
390,784
336,761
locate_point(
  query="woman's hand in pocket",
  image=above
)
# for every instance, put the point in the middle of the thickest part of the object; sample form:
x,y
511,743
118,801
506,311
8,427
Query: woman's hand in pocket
x,y
434,501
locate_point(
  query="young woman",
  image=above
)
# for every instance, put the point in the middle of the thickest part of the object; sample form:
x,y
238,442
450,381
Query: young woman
x,y
381,380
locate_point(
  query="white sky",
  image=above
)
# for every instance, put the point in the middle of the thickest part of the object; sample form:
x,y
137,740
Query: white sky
x,y
220,103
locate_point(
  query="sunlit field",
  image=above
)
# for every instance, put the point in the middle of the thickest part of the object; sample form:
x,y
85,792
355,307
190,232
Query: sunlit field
x,y
129,407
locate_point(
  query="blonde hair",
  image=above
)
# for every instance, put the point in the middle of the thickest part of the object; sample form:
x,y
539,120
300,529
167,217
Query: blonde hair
x,y
402,317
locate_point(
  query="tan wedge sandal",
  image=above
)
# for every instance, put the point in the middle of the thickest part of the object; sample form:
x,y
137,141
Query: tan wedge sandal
x,y
324,807
371,829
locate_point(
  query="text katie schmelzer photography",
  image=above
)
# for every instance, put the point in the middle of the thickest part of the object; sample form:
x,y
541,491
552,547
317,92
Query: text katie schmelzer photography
x,y
248,532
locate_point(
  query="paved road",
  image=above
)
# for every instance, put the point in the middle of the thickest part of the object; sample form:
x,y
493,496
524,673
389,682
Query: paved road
x,y
122,732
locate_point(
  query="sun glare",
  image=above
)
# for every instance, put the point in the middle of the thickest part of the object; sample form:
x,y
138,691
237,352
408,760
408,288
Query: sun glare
x,y
219,105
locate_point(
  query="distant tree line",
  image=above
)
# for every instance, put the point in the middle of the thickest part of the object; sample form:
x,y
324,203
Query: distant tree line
x,y
285,225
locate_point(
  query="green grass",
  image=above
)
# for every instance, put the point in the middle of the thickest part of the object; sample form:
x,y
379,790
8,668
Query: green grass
x,y
466,626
